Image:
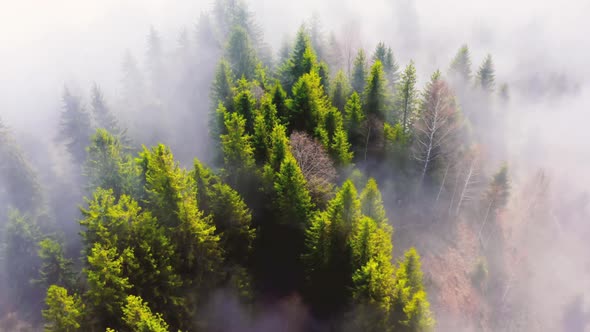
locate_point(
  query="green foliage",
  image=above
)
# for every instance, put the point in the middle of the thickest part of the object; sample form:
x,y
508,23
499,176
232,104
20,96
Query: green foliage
x,y
375,94
390,66
485,78
499,189
107,285
372,203
238,154
479,275
293,201
139,318
309,103
222,86
340,147
64,312
20,238
245,103
302,61
75,128
108,166
324,74
461,65
265,121
353,119
359,72
103,116
279,99
340,91
55,268
240,54
406,100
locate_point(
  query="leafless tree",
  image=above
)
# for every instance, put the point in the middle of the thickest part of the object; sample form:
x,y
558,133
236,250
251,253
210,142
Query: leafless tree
x,y
315,164
437,127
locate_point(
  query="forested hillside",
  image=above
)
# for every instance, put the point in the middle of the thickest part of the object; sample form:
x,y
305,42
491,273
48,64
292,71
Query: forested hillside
x,y
236,188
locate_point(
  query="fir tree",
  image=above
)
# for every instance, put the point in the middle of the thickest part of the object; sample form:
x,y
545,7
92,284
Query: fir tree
x,y
340,91
407,97
64,312
359,72
485,78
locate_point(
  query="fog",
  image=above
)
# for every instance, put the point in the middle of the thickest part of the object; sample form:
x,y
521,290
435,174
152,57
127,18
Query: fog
x,y
540,49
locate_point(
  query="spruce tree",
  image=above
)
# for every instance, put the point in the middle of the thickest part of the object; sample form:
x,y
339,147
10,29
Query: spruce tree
x,y
359,72
340,91
240,54
406,97
64,312
485,78
302,61
460,68
75,128
375,95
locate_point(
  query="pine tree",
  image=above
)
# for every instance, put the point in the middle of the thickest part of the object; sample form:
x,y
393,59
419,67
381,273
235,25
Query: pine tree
x,y
359,72
64,312
460,68
340,91
309,103
293,202
240,54
138,316
353,120
324,73
75,128
222,86
407,97
375,93
485,78
265,121
279,99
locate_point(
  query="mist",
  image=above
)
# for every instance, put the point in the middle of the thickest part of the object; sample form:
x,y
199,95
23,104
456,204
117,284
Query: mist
x,y
540,50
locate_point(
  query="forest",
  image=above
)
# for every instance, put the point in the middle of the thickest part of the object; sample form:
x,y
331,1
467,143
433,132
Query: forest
x,y
320,187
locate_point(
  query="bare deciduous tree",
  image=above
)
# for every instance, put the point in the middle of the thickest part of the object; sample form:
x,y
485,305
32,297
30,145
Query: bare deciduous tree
x,y
436,130
315,164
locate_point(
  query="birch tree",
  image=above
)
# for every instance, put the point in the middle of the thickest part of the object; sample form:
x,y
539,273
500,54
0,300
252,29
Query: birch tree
x,y
437,127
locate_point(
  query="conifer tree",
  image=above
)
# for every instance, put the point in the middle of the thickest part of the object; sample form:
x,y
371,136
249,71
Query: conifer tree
x,y
302,61
485,78
406,97
240,54
222,86
75,128
461,65
238,154
244,103
279,100
103,116
266,120
138,316
354,119
359,72
55,268
390,66
64,312
372,203
309,103
340,91
375,93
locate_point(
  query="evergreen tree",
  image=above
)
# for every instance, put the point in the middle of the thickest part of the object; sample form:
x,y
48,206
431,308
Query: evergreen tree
x,y
293,202
279,99
340,91
309,103
324,73
372,203
353,119
238,154
107,286
359,72
390,66
375,94
485,78
103,116
155,61
302,61
64,312
461,65
265,121
407,97
240,54
55,268
75,128
138,316
244,103
222,86
108,166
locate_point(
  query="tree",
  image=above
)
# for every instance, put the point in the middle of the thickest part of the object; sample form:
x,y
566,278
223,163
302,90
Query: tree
x,y
390,66
354,119
75,127
359,72
238,154
437,128
375,94
309,103
279,99
64,312
315,164
103,116
302,61
230,214
266,119
107,286
109,167
372,203
407,97
240,54
55,268
340,91
20,261
411,310
485,78
155,61
244,103
293,201
460,68
138,316
222,86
